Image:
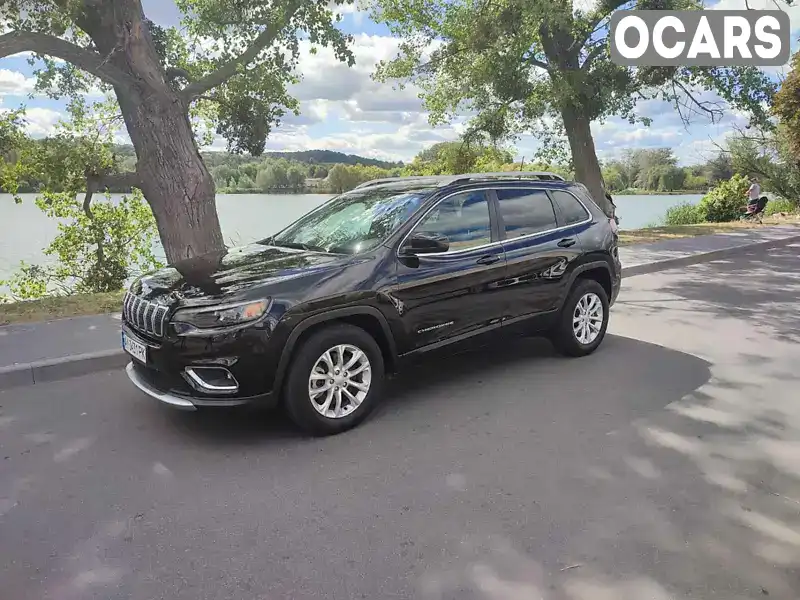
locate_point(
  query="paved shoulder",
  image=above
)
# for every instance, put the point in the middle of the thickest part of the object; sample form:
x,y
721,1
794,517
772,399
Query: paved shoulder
x,y
34,342
650,258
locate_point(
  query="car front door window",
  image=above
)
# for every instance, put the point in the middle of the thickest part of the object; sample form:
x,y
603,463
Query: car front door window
x,y
462,218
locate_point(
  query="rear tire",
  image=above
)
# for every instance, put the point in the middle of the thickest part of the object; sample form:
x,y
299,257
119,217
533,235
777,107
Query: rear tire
x,y
335,380
582,324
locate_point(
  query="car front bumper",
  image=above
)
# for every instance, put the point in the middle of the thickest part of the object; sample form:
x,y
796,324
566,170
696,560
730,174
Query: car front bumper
x,y
199,372
156,386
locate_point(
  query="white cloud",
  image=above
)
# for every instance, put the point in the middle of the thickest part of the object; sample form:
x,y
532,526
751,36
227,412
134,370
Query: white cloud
x,y
14,83
40,122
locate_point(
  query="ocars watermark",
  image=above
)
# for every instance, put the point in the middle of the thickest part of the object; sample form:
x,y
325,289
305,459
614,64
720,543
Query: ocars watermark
x,y
700,37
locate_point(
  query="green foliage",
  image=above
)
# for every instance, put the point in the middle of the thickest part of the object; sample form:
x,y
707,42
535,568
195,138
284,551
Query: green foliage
x,y
99,245
342,178
720,168
82,263
537,66
284,171
725,201
779,205
787,108
15,149
685,213
296,178
464,156
697,182
652,170
246,106
768,155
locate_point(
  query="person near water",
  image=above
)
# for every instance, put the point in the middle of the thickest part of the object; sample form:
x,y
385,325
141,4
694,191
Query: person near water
x,y
753,192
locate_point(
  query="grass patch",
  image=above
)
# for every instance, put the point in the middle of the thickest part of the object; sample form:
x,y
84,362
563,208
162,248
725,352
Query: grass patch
x,y
650,235
46,309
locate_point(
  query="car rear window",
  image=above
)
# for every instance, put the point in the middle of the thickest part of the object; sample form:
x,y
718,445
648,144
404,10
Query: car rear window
x,y
571,208
525,211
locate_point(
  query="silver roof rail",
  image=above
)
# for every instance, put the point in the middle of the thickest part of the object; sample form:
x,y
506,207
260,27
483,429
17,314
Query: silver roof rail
x,y
410,179
541,175
442,180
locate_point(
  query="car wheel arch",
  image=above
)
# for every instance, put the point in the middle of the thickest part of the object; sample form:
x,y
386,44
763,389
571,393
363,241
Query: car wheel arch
x,y
368,318
597,269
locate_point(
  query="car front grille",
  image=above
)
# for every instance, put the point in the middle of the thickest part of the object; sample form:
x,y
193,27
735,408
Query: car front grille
x,y
148,317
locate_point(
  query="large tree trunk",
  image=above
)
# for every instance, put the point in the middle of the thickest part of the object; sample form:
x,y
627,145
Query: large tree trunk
x,y
558,42
174,178
172,175
584,155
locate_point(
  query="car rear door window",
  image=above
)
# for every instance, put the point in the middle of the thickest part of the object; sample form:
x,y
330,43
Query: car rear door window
x,y
571,208
525,212
462,218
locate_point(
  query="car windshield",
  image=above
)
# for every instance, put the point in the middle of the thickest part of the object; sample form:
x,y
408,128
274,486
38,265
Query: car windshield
x,y
353,222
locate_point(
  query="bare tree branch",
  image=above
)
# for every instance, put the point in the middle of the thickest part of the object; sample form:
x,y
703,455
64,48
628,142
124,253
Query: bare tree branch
x,y
88,60
95,182
712,109
230,68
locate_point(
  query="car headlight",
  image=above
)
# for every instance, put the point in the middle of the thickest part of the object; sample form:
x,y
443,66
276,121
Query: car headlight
x,y
207,319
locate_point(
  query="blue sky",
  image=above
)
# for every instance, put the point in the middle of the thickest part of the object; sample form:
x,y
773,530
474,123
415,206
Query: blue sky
x,y
343,109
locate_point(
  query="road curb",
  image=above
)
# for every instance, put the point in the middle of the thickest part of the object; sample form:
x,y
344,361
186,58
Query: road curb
x,y
694,259
25,374
45,371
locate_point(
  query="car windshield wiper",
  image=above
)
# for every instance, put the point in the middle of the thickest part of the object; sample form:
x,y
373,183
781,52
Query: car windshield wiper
x,y
295,245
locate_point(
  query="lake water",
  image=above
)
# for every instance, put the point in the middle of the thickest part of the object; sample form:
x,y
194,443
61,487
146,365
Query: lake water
x,y
25,231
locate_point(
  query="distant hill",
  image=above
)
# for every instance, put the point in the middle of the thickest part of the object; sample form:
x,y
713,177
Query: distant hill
x,y
331,157
328,157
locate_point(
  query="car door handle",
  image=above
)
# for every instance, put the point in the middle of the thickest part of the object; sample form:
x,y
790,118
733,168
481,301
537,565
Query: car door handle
x,y
489,259
566,243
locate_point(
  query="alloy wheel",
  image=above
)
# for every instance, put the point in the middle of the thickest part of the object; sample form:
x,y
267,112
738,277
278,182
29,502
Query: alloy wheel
x,y
339,381
587,319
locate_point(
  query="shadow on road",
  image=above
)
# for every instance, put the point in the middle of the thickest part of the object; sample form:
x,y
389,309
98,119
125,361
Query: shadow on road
x,y
628,377
755,286
717,510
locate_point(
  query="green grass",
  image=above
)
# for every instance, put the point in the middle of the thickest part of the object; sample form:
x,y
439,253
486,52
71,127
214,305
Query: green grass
x,y
667,232
46,309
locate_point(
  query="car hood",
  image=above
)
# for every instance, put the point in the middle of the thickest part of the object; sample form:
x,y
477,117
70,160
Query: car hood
x,y
227,274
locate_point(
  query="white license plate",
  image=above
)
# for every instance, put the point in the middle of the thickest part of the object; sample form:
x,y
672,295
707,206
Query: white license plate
x,y
135,348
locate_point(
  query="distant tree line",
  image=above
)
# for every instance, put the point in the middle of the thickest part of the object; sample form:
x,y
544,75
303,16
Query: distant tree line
x,y
636,171
657,170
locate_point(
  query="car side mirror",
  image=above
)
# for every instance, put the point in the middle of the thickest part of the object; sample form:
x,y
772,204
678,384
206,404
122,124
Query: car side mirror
x,y
425,243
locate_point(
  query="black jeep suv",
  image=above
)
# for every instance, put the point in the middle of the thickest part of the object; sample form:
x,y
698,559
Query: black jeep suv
x,y
314,317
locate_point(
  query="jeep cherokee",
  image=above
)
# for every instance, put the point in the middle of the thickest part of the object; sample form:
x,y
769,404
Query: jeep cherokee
x,y
314,317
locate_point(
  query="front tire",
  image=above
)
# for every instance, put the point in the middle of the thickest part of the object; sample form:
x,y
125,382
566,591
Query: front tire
x,y
335,380
583,321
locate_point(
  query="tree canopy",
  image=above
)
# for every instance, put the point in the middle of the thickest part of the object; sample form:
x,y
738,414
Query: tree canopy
x,y
226,70
542,67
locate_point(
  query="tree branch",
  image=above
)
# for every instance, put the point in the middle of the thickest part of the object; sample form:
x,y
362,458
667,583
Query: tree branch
x,y
593,54
173,73
95,182
87,60
535,62
712,109
230,68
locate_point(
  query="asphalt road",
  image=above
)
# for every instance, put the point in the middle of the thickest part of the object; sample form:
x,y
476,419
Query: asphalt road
x,y
664,466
